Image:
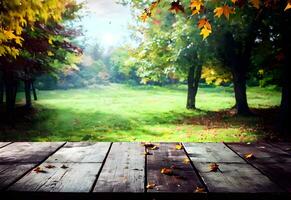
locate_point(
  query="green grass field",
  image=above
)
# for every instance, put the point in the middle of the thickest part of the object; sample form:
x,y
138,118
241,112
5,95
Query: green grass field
x,y
143,113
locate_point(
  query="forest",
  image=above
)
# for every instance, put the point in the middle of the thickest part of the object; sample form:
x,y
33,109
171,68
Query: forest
x,y
187,70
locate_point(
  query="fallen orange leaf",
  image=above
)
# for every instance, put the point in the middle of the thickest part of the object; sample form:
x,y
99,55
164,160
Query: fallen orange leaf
x,y
39,170
151,185
249,156
200,189
213,167
49,166
167,171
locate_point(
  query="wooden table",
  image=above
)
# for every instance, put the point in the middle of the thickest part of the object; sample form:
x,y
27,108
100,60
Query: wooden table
x,y
123,170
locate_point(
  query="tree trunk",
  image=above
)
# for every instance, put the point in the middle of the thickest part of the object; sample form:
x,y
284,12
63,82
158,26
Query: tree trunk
x,y
239,83
191,89
10,90
238,64
27,89
194,75
33,91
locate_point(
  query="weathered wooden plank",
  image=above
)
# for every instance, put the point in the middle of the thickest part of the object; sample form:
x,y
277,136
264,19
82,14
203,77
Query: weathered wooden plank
x,y
211,152
28,152
124,169
184,178
272,161
278,172
9,173
74,170
285,146
3,144
263,152
75,177
234,174
235,178
81,152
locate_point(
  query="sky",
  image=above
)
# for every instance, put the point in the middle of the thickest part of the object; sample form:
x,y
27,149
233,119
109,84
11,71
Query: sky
x,y
106,22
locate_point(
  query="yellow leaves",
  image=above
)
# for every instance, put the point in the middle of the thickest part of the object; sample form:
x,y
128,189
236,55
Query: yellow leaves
x,y
186,161
196,6
179,146
255,3
213,167
234,1
288,6
205,27
249,156
167,171
205,32
223,10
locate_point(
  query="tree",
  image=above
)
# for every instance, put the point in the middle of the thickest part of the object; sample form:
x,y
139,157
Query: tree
x,y
282,27
37,41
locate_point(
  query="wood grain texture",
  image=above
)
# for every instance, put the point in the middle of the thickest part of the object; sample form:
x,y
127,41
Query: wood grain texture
x,y
235,178
81,152
9,173
76,177
284,146
270,159
124,169
184,178
3,144
234,174
211,152
263,152
74,169
27,152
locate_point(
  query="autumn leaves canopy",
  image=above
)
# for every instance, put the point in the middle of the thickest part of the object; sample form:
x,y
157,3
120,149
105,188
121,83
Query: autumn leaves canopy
x,y
202,9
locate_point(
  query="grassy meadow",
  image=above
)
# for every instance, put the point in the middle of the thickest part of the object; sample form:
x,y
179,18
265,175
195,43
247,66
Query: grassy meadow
x,y
142,113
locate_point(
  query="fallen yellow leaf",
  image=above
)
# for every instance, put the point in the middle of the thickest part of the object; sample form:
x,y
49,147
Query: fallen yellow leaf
x,y
179,146
186,161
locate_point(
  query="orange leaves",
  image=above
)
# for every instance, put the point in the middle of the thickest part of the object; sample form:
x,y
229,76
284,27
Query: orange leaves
x,y
200,189
196,6
39,170
49,166
213,167
205,27
255,3
224,10
288,5
144,16
151,185
167,171
148,11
